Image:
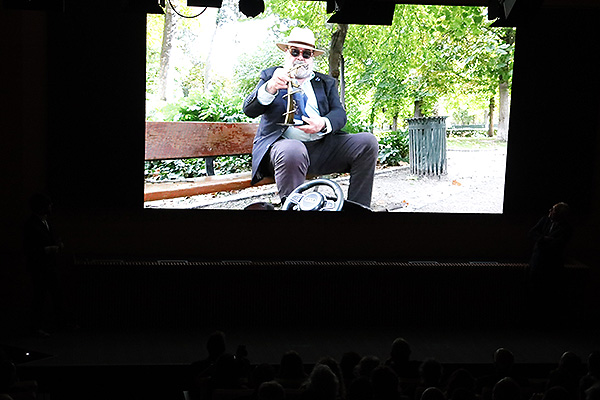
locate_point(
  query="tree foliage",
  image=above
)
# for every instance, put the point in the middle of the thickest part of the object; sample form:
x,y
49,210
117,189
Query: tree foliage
x,y
428,54
444,59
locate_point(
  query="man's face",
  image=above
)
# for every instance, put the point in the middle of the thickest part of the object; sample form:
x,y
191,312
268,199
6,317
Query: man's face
x,y
299,55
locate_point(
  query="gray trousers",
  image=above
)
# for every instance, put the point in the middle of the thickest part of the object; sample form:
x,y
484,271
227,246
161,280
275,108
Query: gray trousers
x,y
292,160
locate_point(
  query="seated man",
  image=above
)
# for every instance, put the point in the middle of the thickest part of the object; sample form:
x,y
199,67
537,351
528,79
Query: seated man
x,y
315,144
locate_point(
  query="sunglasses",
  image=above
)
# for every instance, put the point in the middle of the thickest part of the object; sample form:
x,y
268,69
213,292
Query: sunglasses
x,y
306,54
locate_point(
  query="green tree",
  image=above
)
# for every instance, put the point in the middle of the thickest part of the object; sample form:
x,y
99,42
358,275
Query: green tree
x,y
428,53
169,30
431,56
228,14
249,66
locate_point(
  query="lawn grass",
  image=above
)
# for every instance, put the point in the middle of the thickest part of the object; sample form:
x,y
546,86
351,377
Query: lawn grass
x,y
474,143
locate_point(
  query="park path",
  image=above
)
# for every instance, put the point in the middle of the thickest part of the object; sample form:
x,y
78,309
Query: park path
x,y
474,183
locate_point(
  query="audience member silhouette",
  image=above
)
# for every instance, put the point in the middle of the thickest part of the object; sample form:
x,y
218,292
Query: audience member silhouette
x,y
241,358
568,374
216,347
348,362
431,373
385,383
506,389
556,393
11,385
360,389
504,361
321,384
406,369
432,393
460,385
202,370
271,390
550,236
226,373
291,371
8,376
593,393
42,247
400,361
366,366
335,368
592,376
262,373
546,266
258,375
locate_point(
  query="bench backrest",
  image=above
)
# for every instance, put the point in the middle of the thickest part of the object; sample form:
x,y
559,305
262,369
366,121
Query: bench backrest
x,y
169,140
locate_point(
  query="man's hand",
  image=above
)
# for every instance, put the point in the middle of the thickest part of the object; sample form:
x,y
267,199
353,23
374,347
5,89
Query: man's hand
x,y
313,125
278,81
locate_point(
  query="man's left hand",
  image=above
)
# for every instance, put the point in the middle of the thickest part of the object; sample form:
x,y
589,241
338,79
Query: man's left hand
x,y
313,125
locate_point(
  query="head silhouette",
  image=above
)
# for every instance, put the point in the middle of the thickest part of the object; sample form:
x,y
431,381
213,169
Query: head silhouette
x,y
431,372
433,393
291,366
271,390
385,383
40,204
322,384
506,389
216,344
366,366
400,350
503,359
556,393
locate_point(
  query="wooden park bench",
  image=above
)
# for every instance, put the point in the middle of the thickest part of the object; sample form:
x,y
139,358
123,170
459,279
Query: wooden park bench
x,y
177,140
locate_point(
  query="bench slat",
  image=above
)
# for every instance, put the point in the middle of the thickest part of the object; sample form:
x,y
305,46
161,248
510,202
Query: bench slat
x,y
171,140
204,185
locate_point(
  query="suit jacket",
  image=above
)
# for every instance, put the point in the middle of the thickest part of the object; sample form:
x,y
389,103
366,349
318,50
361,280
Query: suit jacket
x,y
37,236
330,106
550,239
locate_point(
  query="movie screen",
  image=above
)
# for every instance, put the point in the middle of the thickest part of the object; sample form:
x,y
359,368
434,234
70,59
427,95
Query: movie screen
x,y
427,97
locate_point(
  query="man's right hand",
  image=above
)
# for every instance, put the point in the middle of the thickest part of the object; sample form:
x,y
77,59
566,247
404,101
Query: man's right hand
x,y
278,81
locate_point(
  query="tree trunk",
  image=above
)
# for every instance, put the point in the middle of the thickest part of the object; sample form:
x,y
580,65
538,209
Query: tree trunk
x,y
169,29
503,112
336,59
504,106
228,13
417,112
208,66
491,117
342,82
395,123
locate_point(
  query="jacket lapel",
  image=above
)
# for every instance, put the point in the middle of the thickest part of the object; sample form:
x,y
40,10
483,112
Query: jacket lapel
x,y
319,89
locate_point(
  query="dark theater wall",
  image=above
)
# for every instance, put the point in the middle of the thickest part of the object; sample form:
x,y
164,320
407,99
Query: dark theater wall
x,y
73,125
96,96
92,128
553,143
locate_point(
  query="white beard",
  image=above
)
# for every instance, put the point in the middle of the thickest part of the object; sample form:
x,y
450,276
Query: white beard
x,y
303,72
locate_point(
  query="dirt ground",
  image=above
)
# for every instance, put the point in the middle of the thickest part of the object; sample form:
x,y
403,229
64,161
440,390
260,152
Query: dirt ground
x,y
474,183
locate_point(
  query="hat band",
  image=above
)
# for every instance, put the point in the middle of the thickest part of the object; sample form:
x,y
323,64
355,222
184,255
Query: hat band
x,y
312,46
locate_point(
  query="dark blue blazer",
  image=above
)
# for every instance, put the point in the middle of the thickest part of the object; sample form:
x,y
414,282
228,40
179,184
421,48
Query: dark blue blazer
x,y
269,130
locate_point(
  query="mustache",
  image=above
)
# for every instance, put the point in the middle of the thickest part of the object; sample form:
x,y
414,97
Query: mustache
x,y
302,69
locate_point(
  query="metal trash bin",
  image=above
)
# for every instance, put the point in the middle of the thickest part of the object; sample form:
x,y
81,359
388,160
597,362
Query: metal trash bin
x,y
427,145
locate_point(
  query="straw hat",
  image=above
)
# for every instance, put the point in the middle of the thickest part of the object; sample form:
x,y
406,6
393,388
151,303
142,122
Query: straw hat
x,y
302,38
